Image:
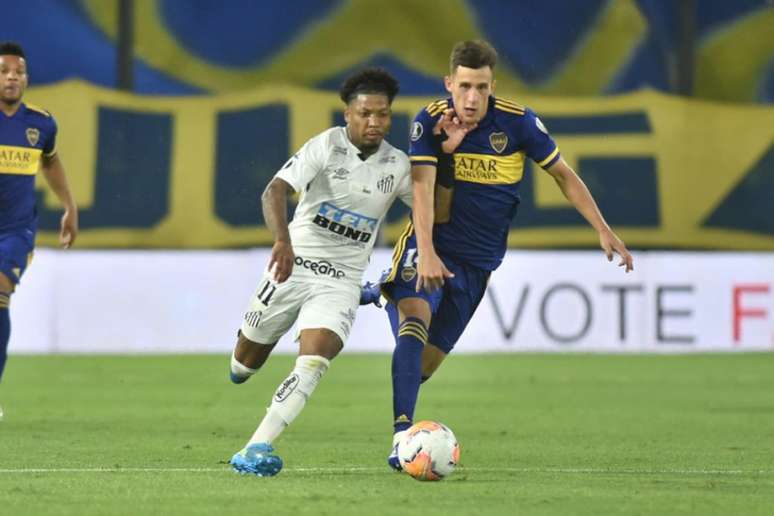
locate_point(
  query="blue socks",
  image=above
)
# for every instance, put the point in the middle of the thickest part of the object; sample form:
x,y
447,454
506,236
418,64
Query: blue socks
x,y
407,370
5,329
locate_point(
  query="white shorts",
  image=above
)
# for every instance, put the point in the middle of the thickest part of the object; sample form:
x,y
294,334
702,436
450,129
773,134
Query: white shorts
x,y
274,307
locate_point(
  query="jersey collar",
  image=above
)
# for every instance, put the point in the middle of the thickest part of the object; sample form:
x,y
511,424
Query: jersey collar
x,y
355,151
22,108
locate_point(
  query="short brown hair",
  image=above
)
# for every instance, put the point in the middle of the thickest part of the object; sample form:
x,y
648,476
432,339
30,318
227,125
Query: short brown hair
x,y
473,54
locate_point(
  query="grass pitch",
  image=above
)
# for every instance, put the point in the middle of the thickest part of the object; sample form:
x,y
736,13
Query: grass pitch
x,y
540,434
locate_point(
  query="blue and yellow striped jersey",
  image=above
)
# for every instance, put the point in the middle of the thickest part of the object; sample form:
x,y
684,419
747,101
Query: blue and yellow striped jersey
x,y
25,138
488,169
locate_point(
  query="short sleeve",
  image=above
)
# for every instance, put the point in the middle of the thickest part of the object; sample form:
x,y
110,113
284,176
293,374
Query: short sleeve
x,y
405,188
49,144
538,143
305,164
423,144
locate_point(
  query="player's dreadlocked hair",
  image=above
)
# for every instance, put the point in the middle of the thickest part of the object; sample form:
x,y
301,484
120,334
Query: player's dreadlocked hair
x,y
11,48
473,54
369,80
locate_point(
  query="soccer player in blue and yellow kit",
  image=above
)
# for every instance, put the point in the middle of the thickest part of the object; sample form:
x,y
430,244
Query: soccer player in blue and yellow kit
x,y
27,144
461,217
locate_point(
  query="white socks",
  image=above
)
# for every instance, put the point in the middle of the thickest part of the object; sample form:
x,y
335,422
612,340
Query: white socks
x,y
290,397
240,370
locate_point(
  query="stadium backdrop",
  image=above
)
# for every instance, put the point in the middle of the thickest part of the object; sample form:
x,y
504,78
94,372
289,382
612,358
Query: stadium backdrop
x,y
186,172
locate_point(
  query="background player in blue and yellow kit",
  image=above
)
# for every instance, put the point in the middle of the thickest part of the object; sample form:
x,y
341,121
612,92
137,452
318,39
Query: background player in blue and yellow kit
x,y
27,144
461,218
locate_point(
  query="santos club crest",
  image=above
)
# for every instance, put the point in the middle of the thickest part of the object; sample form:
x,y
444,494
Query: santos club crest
x,y
386,184
498,141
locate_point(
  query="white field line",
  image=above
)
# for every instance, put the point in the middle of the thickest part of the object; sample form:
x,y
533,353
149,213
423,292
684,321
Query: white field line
x,y
356,469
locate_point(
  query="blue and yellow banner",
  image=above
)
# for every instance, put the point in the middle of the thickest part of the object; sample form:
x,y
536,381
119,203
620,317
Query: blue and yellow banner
x,y
187,172
546,47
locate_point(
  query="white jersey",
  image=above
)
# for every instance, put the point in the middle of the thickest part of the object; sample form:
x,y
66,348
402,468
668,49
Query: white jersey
x,y
343,200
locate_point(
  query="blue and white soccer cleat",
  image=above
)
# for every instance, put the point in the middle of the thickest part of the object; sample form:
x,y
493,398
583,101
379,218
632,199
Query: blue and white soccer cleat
x,y
371,293
256,459
392,460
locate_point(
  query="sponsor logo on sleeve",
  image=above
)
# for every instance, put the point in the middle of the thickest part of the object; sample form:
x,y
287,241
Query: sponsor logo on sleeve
x,y
416,131
540,125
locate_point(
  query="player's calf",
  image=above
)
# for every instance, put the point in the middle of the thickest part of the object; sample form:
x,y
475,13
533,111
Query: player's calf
x,y
5,328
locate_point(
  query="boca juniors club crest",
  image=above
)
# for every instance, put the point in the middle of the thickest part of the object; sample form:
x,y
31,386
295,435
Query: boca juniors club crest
x,y
386,184
33,135
498,141
408,273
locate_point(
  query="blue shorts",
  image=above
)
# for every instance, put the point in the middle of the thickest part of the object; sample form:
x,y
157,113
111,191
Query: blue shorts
x,y
16,253
452,306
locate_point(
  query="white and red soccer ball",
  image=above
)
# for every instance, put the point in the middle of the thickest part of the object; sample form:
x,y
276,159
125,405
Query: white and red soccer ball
x,y
428,451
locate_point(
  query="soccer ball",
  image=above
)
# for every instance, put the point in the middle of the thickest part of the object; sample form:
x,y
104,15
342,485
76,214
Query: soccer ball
x,y
428,451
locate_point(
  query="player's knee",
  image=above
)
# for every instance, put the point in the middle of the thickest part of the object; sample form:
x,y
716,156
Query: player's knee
x,y
321,342
6,285
415,308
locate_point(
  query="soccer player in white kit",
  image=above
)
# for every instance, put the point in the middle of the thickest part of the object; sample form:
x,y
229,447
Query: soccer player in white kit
x,y
347,179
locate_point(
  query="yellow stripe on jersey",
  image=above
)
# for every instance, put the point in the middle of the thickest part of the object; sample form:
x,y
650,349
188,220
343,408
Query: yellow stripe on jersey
x,y
19,160
489,169
400,246
508,109
49,154
424,158
550,157
37,109
510,103
436,107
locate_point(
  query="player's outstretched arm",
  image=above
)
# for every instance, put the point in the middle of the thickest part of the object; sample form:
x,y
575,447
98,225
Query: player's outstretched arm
x,y
274,203
575,190
54,172
430,269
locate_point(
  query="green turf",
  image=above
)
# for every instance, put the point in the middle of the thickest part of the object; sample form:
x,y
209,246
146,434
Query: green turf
x,y
540,434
